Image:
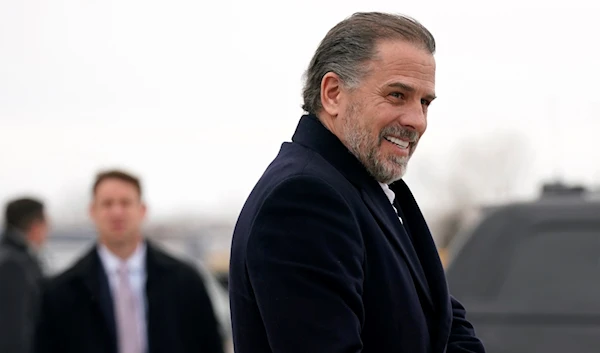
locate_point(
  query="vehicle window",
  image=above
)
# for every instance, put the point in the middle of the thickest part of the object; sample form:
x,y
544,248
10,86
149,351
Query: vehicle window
x,y
554,268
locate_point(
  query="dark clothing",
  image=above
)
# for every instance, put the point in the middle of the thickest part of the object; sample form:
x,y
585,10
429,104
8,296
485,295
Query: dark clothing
x,y
20,286
78,315
321,263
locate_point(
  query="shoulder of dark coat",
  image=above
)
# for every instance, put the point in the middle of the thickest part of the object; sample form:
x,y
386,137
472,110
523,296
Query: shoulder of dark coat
x,y
10,257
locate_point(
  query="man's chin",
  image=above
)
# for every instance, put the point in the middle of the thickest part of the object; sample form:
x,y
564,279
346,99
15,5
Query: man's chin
x,y
119,236
386,169
388,178
397,174
118,232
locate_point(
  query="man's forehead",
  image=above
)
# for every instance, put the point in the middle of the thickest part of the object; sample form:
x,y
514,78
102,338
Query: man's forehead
x,y
404,66
403,58
109,196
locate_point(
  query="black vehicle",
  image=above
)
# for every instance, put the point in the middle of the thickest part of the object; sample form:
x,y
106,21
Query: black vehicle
x,y
529,274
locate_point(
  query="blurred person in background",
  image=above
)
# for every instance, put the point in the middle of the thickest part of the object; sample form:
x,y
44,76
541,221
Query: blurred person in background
x,y
21,275
331,252
126,295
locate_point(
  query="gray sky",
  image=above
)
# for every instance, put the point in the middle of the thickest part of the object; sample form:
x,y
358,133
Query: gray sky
x,y
196,97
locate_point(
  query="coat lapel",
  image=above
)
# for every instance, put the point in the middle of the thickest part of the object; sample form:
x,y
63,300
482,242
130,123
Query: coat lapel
x,y
96,282
312,134
428,275
397,236
433,268
159,314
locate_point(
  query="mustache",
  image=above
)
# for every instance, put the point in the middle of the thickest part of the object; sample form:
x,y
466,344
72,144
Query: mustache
x,y
400,132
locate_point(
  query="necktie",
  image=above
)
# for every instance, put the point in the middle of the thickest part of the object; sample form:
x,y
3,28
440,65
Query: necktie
x,y
127,325
394,204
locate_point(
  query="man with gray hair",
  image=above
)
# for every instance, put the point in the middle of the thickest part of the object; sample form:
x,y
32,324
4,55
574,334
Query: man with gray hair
x,y
331,253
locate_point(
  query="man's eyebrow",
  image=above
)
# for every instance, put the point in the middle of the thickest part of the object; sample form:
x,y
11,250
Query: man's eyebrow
x,y
409,88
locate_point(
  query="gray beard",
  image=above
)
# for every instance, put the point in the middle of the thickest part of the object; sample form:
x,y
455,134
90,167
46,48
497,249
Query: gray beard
x,y
359,141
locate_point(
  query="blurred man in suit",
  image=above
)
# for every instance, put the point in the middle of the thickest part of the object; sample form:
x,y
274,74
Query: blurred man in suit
x,y
331,253
126,295
25,232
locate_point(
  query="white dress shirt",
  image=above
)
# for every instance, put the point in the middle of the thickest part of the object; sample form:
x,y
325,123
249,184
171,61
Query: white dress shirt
x,y
136,266
391,196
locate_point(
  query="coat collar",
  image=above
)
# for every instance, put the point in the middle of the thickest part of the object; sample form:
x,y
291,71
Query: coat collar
x,y
15,239
90,263
312,134
413,240
90,272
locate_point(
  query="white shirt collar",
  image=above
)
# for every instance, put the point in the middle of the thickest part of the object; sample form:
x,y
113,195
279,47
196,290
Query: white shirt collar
x,y
391,196
388,192
135,263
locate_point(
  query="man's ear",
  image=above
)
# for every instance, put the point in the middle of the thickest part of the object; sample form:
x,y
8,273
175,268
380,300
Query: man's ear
x,y
331,89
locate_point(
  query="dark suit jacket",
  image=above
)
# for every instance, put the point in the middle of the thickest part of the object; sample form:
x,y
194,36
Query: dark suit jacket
x,y
321,263
20,282
77,309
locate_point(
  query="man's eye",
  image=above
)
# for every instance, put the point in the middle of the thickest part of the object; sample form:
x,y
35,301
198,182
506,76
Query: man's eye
x,y
397,94
425,102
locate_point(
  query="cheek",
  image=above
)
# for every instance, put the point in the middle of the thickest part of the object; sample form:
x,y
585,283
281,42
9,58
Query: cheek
x,y
385,116
107,216
135,216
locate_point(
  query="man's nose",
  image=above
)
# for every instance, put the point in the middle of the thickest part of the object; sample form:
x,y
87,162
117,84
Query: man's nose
x,y
415,117
117,210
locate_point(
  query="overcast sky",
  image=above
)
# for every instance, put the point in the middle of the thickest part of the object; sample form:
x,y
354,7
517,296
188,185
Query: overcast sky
x,y
197,96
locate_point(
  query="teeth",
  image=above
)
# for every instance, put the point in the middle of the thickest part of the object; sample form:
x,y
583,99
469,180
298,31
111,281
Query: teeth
x,y
398,142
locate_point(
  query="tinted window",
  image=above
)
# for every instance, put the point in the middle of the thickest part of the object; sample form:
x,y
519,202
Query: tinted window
x,y
554,268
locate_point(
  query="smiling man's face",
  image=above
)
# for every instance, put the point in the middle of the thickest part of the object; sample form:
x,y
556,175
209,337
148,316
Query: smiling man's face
x,y
383,118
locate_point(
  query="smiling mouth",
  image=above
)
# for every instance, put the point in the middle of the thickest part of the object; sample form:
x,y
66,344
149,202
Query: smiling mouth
x,y
396,141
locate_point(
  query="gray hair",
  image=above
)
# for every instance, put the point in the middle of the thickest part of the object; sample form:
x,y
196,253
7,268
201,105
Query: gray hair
x,y
348,47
